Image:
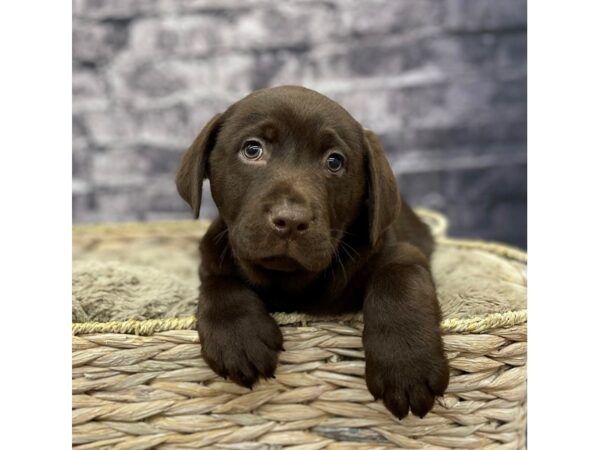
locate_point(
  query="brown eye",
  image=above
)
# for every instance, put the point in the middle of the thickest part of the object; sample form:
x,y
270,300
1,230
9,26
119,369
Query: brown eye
x,y
335,162
252,150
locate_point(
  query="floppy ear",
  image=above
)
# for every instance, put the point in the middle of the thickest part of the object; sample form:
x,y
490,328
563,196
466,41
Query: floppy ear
x,y
192,167
383,196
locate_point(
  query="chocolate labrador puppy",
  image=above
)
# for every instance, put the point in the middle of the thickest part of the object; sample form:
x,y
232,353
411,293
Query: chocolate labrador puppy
x,y
311,220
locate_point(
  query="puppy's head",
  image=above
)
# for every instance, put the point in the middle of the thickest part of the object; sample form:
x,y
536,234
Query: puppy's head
x,y
290,170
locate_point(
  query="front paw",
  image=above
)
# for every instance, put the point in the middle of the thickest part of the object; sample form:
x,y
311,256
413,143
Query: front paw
x,y
243,348
410,379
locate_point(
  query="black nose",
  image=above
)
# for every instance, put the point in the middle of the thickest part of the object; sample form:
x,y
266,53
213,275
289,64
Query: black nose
x,y
288,220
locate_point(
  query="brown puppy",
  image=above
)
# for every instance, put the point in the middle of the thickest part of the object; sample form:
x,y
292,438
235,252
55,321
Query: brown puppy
x,y
311,220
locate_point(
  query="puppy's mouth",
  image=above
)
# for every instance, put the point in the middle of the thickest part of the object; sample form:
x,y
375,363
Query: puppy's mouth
x,y
280,264
265,252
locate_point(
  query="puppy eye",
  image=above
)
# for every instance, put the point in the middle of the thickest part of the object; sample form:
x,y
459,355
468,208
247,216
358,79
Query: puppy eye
x,y
335,162
252,150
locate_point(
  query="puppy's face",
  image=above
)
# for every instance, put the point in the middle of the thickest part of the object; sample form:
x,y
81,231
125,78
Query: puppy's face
x,y
287,173
289,170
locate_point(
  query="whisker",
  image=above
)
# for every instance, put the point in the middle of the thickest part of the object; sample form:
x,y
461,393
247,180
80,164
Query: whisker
x,y
348,254
349,247
344,232
222,257
219,236
340,261
330,270
345,245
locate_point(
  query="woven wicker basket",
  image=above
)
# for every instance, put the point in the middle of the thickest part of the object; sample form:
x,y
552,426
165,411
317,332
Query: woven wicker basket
x,y
142,384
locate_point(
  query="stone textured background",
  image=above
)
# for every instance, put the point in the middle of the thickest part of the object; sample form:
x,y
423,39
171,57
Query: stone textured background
x,y
443,82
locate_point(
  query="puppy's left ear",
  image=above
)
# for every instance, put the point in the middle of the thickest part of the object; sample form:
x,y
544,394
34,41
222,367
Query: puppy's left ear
x,y
192,167
383,196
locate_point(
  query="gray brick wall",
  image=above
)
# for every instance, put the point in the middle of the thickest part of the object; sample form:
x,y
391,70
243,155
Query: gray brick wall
x,y
443,82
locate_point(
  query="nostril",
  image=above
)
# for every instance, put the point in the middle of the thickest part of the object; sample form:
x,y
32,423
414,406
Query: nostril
x,y
302,226
279,223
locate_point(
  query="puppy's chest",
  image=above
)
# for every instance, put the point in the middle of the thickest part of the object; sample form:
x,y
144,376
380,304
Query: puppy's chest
x,y
321,298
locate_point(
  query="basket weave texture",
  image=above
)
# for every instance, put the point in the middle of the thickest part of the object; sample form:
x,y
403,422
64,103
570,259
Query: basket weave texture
x,y
142,384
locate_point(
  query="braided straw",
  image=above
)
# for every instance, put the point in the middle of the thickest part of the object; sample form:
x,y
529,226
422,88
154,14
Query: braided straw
x,y
438,224
151,326
142,384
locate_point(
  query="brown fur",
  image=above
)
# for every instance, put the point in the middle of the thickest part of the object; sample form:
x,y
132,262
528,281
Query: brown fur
x,y
348,241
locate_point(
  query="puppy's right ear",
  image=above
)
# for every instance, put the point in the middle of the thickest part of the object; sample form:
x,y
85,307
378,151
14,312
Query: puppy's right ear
x,y
192,167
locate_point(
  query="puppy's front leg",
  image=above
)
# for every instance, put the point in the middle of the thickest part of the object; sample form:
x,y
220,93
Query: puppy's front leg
x,y
240,340
405,362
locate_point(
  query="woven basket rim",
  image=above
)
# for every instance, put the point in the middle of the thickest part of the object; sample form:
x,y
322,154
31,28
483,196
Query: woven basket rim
x,y
146,327
149,327
440,221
